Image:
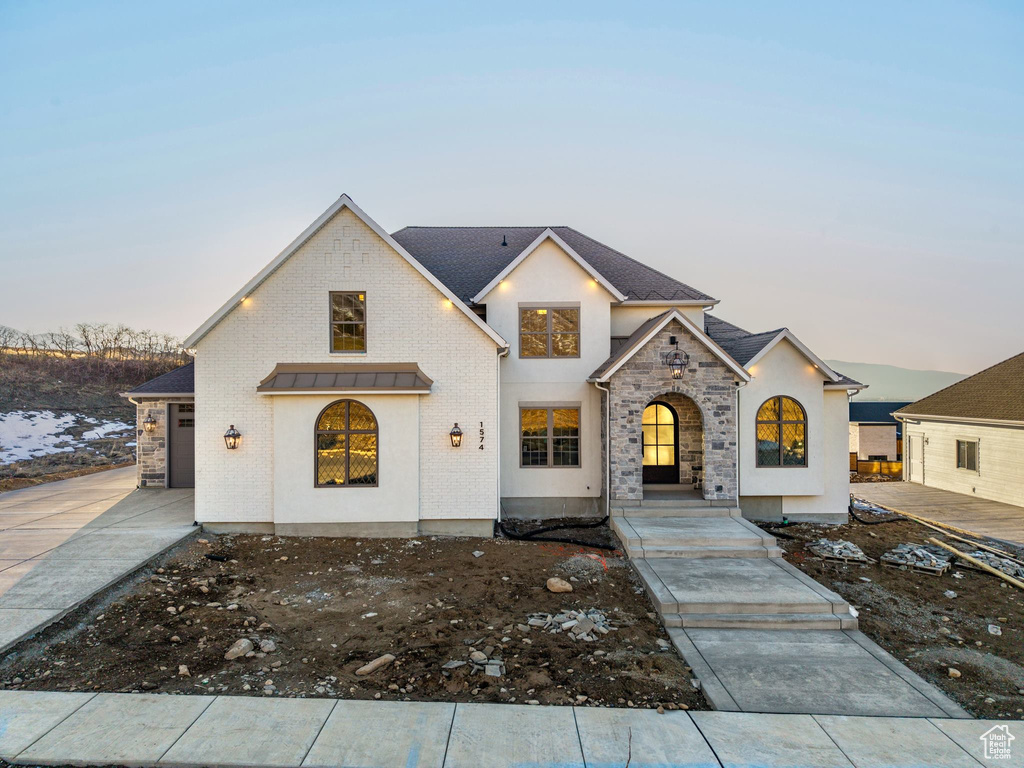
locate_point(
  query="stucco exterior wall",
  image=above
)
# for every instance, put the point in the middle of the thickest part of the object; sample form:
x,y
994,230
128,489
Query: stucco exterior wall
x,y
706,381
1000,475
286,319
833,503
626,319
785,371
550,277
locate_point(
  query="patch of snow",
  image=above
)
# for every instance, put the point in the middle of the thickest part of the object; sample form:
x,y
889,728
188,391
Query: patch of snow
x,y
30,434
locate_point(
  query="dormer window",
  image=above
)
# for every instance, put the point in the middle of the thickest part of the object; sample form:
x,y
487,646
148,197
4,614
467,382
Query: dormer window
x,y
549,331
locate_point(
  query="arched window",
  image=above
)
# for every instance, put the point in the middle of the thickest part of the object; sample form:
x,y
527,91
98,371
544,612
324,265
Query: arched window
x,y
781,433
346,446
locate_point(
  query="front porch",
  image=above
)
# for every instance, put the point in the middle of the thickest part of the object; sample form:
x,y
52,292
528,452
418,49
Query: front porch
x,y
673,434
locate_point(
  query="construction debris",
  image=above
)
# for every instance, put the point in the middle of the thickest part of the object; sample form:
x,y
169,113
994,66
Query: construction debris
x,y
585,625
1008,567
844,551
922,558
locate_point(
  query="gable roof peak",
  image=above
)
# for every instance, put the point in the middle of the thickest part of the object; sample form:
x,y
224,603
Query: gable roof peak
x,y
336,207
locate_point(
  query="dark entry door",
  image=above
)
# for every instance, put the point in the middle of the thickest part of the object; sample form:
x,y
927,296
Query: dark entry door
x,y
661,454
181,449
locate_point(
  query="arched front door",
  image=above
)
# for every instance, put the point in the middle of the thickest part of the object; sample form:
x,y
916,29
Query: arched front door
x,y
660,434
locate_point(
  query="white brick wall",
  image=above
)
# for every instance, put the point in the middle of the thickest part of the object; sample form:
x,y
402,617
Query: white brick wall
x,y
286,319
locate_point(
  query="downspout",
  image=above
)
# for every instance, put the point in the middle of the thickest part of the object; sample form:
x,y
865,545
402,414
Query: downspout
x,y
503,352
607,449
739,474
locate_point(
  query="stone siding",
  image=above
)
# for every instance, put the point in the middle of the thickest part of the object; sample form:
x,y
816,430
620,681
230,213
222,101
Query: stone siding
x,y
151,447
707,382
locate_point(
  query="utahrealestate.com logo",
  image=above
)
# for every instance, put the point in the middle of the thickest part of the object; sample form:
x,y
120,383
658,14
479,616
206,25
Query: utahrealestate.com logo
x,y
997,742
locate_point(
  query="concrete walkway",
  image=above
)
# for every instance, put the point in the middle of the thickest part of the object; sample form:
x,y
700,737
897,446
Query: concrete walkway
x,y
41,728
760,635
989,518
62,542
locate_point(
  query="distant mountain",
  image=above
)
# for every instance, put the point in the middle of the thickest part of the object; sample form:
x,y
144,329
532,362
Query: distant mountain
x,y
888,382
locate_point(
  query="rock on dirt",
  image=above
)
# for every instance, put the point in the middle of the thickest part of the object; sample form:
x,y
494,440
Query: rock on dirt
x,y
240,648
556,584
373,666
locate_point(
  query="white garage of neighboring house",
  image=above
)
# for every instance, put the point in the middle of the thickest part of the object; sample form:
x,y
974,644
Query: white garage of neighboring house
x,y
969,437
166,430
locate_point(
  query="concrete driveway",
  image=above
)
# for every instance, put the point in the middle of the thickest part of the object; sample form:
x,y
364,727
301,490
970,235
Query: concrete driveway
x,y
988,518
62,542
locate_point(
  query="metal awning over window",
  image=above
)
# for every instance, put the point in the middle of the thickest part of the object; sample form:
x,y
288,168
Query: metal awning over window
x,y
327,378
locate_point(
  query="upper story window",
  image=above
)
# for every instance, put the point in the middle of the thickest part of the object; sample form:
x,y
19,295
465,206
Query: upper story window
x,y
549,332
967,455
781,433
348,321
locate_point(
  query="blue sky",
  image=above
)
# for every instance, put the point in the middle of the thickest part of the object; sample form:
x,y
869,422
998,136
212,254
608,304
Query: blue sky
x,y
852,171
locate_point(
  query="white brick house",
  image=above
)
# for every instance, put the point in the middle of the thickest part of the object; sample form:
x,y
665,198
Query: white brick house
x,y
576,375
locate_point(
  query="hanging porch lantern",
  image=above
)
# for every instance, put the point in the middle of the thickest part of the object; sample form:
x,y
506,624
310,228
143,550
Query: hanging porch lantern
x,y
456,435
149,424
232,438
676,360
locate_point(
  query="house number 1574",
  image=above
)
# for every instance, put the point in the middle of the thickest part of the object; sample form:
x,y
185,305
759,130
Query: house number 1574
x,y
481,446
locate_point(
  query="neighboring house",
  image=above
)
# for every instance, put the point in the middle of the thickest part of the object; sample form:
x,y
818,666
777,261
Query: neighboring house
x,y
875,434
969,437
430,380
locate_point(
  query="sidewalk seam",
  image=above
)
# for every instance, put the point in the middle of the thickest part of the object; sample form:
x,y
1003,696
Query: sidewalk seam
x,y
576,723
55,725
823,730
706,739
187,728
318,732
448,741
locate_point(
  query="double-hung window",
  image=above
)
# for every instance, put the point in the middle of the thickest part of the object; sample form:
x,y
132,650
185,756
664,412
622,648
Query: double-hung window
x,y
967,455
549,437
549,332
348,321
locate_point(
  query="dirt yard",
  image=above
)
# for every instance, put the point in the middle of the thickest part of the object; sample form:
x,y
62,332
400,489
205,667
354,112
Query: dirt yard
x,y
322,608
909,614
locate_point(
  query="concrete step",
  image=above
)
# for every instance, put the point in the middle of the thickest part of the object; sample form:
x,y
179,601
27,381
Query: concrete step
x,y
691,532
760,620
670,511
703,550
766,586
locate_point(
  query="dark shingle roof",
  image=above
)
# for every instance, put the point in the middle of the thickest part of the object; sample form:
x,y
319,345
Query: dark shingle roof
x,y
742,349
180,381
844,379
867,412
466,259
996,393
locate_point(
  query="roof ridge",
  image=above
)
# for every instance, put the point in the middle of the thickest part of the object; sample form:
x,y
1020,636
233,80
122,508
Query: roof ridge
x,y
963,380
637,261
486,226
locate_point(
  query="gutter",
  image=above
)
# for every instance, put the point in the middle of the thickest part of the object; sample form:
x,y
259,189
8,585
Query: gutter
x,y
957,420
